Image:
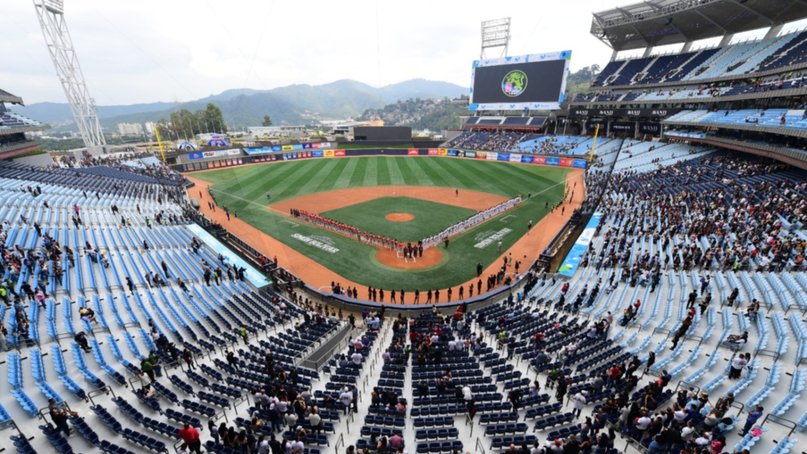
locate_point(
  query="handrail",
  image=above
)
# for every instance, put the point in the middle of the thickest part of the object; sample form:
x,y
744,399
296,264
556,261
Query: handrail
x,y
687,385
14,425
340,440
46,410
478,446
105,390
739,406
781,421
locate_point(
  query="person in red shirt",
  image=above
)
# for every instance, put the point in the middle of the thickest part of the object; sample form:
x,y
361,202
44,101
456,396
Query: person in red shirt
x,y
190,436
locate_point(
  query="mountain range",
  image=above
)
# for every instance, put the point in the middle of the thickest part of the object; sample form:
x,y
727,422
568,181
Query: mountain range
x,y
293,104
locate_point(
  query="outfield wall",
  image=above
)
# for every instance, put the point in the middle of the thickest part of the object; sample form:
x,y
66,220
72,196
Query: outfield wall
x,y
270,154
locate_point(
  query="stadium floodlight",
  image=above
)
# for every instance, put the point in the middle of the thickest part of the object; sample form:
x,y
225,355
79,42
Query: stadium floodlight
x,y
495,35
63,55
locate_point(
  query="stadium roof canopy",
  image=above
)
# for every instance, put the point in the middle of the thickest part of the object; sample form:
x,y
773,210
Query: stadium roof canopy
x,y
8,97
660,22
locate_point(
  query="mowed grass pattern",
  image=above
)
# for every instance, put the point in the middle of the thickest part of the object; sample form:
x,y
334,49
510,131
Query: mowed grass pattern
x,y
244,189
430,218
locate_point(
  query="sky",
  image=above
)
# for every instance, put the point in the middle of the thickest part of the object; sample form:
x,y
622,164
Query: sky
x,y
181,50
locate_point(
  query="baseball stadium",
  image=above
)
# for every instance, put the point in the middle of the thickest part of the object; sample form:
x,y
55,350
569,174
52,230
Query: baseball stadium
x,y
597,259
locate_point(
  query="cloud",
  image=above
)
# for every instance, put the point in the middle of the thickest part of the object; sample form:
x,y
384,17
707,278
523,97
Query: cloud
x,y
180,50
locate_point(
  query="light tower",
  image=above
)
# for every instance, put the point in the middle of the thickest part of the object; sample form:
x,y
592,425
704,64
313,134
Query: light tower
x,y
495,35
60,47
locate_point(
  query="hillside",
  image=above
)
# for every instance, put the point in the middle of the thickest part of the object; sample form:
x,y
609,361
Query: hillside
x,y
439,114
293,104
432,114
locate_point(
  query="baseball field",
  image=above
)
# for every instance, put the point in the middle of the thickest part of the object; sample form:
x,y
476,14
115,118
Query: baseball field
x,y
405,198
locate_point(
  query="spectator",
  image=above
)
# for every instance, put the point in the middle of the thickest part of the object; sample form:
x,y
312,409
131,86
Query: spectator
x,y
59,414
346,398
81,340
752,419
190,438
579,403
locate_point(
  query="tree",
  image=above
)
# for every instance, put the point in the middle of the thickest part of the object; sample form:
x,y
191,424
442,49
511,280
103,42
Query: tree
x,y
184,123
214,119
267,120
164,128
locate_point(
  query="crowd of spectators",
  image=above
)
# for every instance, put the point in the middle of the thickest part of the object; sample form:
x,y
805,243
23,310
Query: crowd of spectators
x,y
714,213
487,141
131,161
789,80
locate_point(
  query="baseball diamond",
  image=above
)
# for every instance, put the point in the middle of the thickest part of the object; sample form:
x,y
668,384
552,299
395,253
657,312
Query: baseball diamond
x,y
348,200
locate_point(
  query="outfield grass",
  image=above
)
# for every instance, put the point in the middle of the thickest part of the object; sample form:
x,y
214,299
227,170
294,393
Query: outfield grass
x,y
243,189
430,218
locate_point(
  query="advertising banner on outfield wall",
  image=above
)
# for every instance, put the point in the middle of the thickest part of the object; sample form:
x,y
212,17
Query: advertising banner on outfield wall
x,y
470,154
491,156
214,153
539,160
432,151
339,153
572,260
502,156
528,159
453,152
287,147
515,157
566,162
261,150
442,152
552,161
580,163
316,154
328,153
412,152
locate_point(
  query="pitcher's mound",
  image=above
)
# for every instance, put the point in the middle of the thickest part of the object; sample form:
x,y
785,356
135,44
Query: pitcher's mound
x,y
431,257
399,217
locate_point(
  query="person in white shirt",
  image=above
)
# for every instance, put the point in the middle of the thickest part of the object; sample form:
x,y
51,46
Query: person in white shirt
x,y
356,358
297,447
263,445
282,406
291,419
688,431
679,415
314,419
642,423
467,396
738,363
262,399
346,398
579,403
